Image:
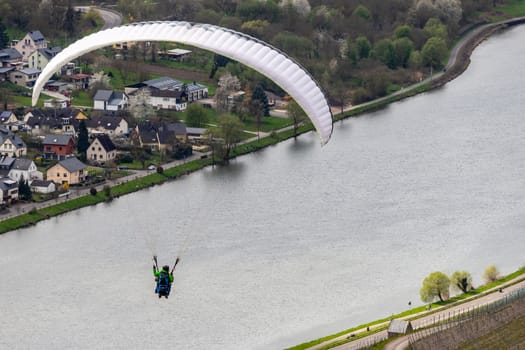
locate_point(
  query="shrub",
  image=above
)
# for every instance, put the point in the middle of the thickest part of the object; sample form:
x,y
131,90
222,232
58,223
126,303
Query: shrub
x,y
160,170
93,191
107,191
491,274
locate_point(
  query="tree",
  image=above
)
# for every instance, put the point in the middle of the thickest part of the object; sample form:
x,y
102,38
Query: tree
x,y
218,61
362,12
435,285
434,28
461,280
69,19
24,190
227,85
434,52
384,51
402,31
230,130
363,47
403,48
196,116
4,38
491,274
296,113
83,139
259,95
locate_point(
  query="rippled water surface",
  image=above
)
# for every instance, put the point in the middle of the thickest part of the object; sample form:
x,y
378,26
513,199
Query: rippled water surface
x,y
294,242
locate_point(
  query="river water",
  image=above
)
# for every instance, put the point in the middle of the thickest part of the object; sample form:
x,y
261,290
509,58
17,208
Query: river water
x,y
294,242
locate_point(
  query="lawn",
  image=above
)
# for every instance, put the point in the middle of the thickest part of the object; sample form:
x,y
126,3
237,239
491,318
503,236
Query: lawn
x,y
513,8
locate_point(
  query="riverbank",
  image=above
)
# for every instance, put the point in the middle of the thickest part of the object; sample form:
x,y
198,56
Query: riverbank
x,y
370,332
457,64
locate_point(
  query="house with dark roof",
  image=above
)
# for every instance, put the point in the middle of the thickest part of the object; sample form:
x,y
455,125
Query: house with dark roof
x,y
101,150
39,58
196,91
168,99
31,42
49,120
397,327
11,144
10,58
42,186
160,88
24,77
8,190
9,120
107,124
159,136
23,168
6,163
57,146
69,171
108,100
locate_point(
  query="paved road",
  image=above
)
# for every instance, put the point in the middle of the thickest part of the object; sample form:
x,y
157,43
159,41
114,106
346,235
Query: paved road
x,y
111,18
20,208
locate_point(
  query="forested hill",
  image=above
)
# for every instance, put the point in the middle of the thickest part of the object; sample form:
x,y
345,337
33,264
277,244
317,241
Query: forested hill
x,y
357,50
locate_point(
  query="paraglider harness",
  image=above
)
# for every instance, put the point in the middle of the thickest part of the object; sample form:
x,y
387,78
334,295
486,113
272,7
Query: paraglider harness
x,y
163,287
163,284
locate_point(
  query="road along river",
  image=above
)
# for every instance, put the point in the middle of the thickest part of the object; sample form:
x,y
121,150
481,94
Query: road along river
x,y
293,242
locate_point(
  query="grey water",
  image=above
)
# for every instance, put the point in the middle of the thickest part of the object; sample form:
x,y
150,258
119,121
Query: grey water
x,y
294,242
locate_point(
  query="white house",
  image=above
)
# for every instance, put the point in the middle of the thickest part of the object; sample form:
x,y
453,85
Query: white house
x,y
168,99
108,100
109,125
25,169
42,186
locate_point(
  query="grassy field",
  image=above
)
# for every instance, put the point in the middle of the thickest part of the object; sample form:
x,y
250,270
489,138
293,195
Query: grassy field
x,y
513,8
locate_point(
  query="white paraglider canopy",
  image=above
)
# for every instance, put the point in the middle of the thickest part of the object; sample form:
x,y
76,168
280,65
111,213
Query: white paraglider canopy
x,y
252,52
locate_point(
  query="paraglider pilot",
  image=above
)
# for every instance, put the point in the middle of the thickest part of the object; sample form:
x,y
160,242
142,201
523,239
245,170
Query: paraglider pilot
x,y
164,278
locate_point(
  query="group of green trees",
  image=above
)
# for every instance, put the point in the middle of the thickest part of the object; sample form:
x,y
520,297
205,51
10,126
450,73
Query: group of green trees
x,y
437,284
358,50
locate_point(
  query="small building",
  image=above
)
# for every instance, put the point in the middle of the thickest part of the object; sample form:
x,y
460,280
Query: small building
x,y
101,150
43,186
80,81
397,327
196,91
10,58
4,72
8,117
178,55
56,103
108,100
58,146
58,86
8,190
24,77
69,171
